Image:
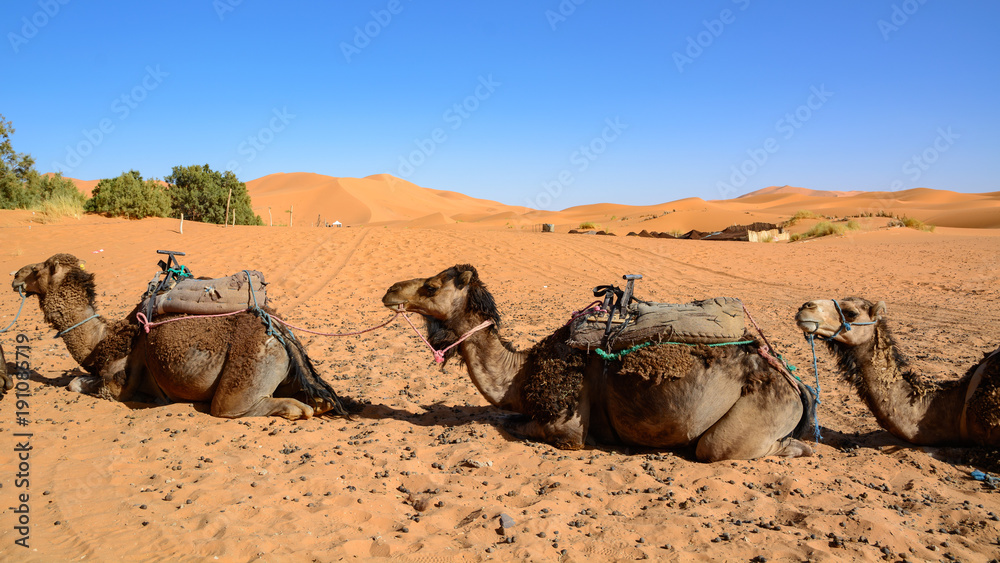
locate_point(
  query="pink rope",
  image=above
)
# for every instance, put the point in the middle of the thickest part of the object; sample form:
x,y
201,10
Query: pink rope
x,y
290,325
765,351
595,306
148,325
439,354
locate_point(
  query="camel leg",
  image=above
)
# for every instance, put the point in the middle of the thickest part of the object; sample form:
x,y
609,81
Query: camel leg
x,y
757,425
247,389
568,432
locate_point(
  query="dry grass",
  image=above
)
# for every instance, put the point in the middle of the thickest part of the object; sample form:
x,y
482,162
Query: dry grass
x,y
59,207
917,224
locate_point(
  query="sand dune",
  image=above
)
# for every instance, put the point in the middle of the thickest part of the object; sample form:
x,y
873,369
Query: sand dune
x,y
385,200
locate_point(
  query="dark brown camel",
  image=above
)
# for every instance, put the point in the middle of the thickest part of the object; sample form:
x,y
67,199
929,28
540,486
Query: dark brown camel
x,y
726,400
230,362
907,404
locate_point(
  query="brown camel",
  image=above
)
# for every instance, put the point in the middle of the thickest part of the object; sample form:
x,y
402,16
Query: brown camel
x,y
726,400
230,362
910,406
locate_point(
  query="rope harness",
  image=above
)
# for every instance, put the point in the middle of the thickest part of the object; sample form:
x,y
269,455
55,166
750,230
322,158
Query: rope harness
x,y
845,326
438,354
62,333
23,298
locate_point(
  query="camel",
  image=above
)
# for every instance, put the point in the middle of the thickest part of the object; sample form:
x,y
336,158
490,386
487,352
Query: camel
x,y
909,405
230,362
727,401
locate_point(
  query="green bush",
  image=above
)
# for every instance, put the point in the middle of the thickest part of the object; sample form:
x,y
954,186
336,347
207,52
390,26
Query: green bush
x,y
129,196
200,194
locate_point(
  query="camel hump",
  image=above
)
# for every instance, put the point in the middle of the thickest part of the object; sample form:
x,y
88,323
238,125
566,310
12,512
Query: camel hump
x,y
212,296
711,321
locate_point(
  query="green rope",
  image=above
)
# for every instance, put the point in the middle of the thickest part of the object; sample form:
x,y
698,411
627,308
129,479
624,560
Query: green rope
x,y
627,351
181,272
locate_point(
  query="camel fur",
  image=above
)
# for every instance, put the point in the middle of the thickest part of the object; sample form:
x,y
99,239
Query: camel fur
x,y
908,404
230,362
726,401
6,379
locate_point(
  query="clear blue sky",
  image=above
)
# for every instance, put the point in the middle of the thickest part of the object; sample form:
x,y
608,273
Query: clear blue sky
x,y
542,103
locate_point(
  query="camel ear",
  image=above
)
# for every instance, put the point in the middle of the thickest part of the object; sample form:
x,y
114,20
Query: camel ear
x,y
464,279
877,311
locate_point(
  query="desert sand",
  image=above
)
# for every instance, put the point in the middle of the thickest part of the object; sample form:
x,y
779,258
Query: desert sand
x,y
425,469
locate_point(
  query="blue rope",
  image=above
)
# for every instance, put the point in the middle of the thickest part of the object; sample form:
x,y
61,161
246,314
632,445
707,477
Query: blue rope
x,y
812,346
23,298
62,333
845,326
257,310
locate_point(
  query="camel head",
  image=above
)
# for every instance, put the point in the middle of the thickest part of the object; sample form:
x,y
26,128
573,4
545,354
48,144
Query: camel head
x,y
824,319
454,293
44,277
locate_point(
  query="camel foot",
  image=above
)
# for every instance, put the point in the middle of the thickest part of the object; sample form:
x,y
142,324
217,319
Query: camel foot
x,y
795,448
84,384
562,434
291,409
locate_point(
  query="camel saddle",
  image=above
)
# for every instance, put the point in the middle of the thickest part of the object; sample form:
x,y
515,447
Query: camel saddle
x,y
711,321
211,296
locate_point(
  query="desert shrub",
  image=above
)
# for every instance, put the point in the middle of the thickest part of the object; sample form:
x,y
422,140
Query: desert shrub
x,y
916,224
824,228
800,215
129,196
587,226
200,194
62,205
794,237
853,225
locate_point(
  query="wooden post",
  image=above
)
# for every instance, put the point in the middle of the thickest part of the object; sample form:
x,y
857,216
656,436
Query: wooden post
x,y
269,218
226,220
291,208
234,217
182,223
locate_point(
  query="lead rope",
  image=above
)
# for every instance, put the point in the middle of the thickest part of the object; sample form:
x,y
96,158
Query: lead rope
x,y
23,298
845,326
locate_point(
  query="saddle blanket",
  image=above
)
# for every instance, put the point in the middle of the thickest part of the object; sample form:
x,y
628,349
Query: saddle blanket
x,y
210,297
710,321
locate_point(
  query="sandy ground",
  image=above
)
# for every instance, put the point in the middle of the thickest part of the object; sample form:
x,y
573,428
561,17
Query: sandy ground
x,y
425,470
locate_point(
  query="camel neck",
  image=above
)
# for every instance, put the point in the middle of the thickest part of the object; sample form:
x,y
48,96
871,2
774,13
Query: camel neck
x,y
493,366
912,410
84,336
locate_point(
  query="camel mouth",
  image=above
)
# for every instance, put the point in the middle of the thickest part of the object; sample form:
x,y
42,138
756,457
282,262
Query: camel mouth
x,y
808,327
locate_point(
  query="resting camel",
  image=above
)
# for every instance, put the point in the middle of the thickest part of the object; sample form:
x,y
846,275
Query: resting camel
x,y
910,406
727,400
230,362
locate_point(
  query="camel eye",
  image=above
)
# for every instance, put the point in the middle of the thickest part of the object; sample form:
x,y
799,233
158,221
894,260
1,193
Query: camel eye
x,y
430,290
850,314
